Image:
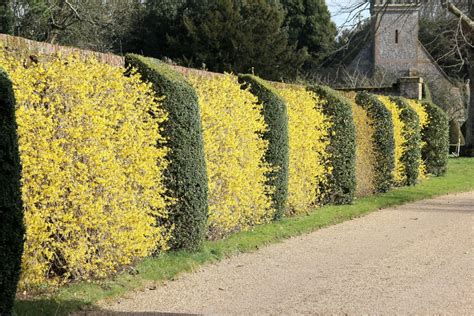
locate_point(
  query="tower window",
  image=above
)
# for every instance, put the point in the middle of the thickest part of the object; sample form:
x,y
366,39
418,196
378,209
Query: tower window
x,y
396,36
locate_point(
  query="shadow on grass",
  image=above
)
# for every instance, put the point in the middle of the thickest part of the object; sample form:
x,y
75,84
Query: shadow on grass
x,y
49,307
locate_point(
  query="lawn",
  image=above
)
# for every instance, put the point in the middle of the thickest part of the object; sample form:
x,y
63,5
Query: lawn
x,y
460,178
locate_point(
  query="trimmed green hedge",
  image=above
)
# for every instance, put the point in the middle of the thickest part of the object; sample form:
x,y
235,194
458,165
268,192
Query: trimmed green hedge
x,y
436,137
11,209
342,181
186,178
412,133
383,139
276,117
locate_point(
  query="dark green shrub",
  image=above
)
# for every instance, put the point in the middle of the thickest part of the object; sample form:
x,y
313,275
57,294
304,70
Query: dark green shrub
x,y
342,181
276,118
412,133
383,139
186,179
427,93
436,137
11,210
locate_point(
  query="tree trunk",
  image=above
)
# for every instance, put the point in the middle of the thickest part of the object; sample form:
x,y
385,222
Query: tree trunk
x,y
470,117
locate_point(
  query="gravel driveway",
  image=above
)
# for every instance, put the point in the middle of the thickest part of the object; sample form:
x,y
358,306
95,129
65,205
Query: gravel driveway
x,y
417,259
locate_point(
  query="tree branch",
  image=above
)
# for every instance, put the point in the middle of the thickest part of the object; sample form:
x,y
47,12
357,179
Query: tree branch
x,y
465,19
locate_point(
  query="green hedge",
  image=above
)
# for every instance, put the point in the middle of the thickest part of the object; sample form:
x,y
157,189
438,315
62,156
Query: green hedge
x,y
436,137
11,210
412,133
276,118
342,181
383,139
186,178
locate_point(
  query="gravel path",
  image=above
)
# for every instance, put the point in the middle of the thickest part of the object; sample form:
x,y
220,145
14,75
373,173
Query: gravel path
x,y
417,259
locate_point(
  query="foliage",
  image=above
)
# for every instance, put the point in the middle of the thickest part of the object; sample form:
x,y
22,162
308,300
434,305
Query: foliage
x,y
92,174
411,156
423,121
90,24
436,137
383,139
276,117
82,295
11,214
232,127
365,156
309,160
399,172
185,176
220,35
342,147
440,34
310,27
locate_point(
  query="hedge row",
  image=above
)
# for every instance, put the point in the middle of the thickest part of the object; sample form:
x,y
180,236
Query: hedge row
x,y
11,215
232,121
412,133
436,137
185,178
342,182
383,140
276,117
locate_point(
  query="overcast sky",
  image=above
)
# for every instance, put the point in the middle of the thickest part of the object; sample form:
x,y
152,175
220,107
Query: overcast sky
x,y
340,13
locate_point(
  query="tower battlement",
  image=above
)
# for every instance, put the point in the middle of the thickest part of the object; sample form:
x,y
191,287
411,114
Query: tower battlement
x,y
396,2
390,5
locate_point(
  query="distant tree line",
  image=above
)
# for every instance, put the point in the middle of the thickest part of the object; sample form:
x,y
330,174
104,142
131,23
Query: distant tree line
x,y
276,39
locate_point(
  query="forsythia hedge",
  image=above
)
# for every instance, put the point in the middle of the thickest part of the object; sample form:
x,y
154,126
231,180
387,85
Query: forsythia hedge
x,y
341,182
309,160
423,121
11,213
115,169
399,172
92,171
185,176
232,120
412,133
276,117
365,155
383,139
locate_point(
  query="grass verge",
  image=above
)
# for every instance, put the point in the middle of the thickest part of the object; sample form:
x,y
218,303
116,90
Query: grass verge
x,y
459,178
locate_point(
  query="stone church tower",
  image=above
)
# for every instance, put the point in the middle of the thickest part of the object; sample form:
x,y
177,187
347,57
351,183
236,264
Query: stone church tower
x,y
394,57
395,30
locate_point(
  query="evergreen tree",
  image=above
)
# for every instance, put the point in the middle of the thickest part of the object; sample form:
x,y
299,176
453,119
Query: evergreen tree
x,y
220,35
310,26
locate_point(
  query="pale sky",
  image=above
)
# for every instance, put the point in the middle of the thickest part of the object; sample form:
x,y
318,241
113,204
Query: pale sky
x,y
340,11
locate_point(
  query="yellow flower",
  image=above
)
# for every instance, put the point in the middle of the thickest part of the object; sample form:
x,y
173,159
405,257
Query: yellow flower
x,y
234,150
309,165
92,178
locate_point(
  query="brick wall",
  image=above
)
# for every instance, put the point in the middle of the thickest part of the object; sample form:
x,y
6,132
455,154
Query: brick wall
x,y
34,47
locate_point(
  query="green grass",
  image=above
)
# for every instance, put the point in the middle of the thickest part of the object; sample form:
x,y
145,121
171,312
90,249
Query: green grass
x,y
460,178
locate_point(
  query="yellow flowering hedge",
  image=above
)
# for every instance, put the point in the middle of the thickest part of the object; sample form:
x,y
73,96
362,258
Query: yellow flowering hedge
x,y
365,157
92,173
399,137
309,165
424,121
234,150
